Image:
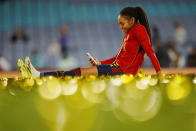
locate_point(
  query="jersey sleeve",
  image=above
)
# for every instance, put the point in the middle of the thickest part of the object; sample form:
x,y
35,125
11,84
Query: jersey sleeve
x,y
143,38
108,61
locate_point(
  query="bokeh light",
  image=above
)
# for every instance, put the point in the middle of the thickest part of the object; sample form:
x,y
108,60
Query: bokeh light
x,y
92,90
3,83
126,78
116,81
131,99
178,88
69,87
140,105
194,80
142,83
50,89
153,81
53,112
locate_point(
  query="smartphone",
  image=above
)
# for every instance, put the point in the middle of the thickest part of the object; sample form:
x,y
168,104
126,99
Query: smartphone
x,y
90,56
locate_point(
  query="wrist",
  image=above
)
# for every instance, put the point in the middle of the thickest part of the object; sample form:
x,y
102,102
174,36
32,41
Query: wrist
x,y
98,63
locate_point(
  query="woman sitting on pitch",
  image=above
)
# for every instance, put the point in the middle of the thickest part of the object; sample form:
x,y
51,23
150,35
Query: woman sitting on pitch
x,y
137,41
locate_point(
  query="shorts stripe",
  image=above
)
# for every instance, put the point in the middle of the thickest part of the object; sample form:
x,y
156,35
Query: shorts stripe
x,y
109,69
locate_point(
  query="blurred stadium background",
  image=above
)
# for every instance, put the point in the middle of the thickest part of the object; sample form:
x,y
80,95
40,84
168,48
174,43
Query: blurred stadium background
x,y
92,26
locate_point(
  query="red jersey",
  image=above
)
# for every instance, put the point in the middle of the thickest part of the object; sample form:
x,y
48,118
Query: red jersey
x,y
131,54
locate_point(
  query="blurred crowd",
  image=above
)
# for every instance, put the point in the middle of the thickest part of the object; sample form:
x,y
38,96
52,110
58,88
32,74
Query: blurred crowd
x,y
175,51
56,49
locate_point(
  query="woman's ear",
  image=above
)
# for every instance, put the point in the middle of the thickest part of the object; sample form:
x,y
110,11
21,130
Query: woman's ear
x,y
132,20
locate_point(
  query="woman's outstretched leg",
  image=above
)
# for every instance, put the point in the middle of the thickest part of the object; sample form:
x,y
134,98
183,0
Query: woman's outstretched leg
x,y
110,69
28,70
81,71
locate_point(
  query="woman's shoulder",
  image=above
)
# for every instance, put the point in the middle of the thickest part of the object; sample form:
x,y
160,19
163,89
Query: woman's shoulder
x,y
139,26
139,29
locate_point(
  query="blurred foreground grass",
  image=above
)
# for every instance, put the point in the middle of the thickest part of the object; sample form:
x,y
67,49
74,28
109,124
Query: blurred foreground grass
x,y
137,103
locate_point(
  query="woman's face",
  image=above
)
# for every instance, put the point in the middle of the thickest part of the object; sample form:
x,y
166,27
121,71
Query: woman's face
x,y
125,23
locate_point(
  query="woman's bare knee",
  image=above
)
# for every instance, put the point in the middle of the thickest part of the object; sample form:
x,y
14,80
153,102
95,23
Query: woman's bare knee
x,y
87,71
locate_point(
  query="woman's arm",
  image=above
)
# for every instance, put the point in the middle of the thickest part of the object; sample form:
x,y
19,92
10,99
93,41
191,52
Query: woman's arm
x,y
143,38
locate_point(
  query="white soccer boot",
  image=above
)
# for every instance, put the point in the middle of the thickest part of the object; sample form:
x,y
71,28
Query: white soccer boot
x,y
32,72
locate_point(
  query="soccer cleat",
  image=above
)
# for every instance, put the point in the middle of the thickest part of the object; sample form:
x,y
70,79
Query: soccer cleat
x,y
31,71
22,68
